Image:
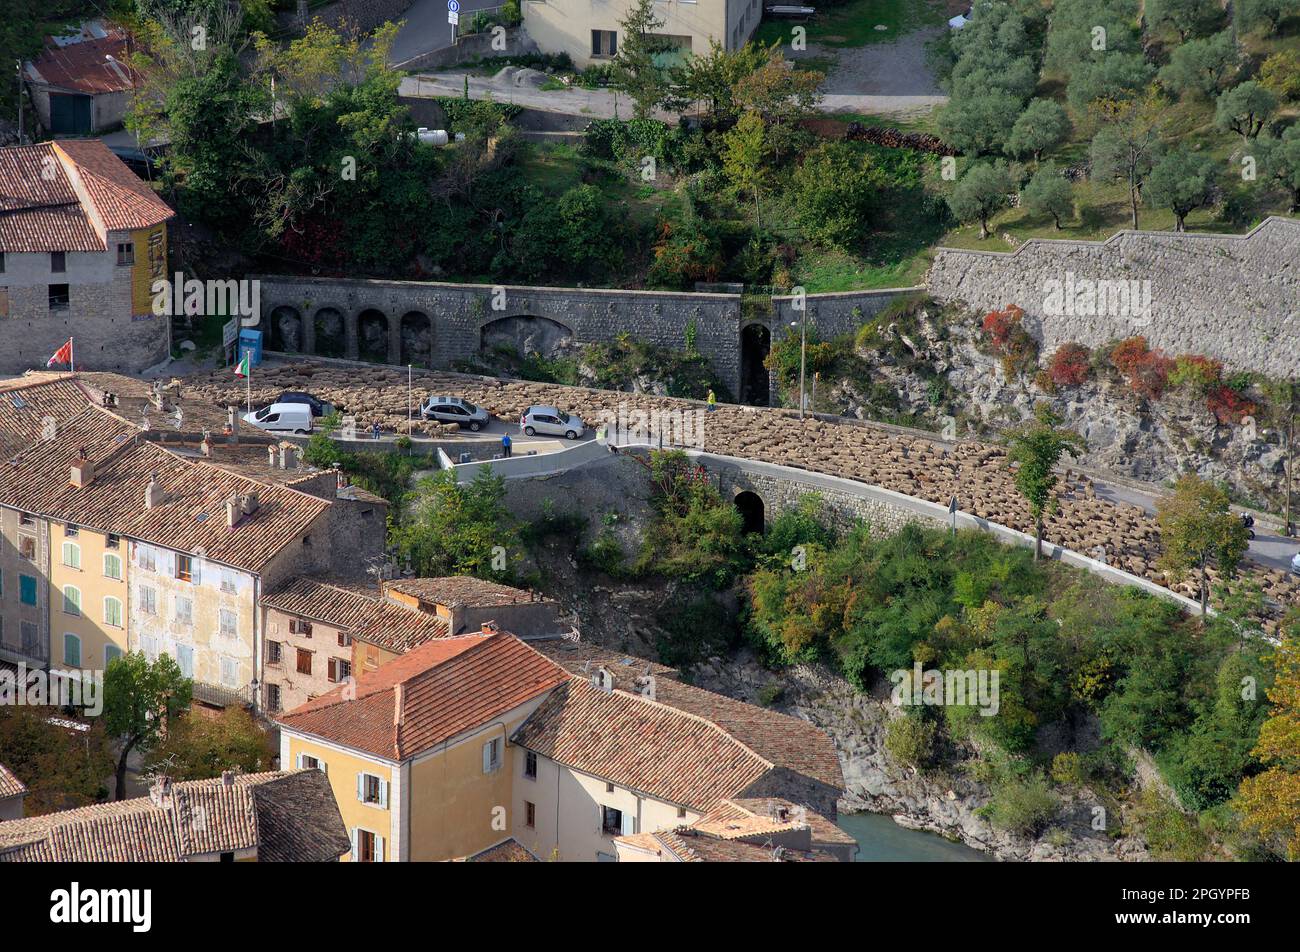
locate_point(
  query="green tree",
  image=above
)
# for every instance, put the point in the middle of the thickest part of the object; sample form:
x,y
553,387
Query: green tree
x,y
1244,109
459,529
1270,801
1197,529
980,124
1037,446
1205,67
1263,14
199,748
62,769
836,190
1280,74
744,148
1181,181
980,193
1049,193
140,700
712,77
1185,17
636,67
1116,76
782,96
1125,147
1280,160
1042,126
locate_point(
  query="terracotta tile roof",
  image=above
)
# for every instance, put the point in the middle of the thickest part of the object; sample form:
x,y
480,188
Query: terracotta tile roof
x,y
824,830
332,602
82,66
42,210
429,695
690,846
27,402
644,745
460,591
10,786
281,815
399,629
784,740
507,851
192,515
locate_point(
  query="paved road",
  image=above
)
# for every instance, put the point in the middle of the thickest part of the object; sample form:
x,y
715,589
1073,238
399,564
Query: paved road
x,y
1267,547
426,27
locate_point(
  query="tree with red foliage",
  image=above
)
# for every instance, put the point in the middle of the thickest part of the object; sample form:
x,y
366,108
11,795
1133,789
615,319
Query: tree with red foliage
x,y
1147,370
1070,366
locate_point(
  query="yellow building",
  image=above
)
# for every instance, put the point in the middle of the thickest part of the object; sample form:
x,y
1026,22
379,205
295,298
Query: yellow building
x,y
88,597
417,752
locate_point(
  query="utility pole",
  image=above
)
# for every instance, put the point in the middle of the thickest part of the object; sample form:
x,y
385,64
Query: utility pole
x,y
803,354
1292,387
19,63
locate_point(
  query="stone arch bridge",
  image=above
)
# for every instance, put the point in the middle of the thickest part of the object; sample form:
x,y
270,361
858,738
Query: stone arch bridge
x,y
432,324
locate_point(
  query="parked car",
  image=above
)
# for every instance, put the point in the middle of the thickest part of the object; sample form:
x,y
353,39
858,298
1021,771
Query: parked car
x,y
282,418
551,421
318,406
1295,563
455,410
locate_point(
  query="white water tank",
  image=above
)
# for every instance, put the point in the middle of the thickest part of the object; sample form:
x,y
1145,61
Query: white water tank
x,y
431,136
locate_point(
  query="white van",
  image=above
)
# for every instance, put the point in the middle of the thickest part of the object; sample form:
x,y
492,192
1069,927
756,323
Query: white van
x,y
282,418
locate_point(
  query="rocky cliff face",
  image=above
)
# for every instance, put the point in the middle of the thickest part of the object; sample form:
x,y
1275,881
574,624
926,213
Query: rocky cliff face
x,y
1150,440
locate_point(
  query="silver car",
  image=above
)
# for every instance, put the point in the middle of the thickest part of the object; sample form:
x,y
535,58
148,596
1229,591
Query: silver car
x,y
552,422
454,410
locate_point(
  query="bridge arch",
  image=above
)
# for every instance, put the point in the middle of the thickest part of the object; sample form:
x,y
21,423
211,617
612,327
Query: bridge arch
x,y
526,334
416,329
285,330
373,334
331,332
750,506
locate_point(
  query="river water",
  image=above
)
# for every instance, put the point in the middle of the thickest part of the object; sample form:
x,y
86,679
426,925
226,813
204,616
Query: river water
x,y
881,840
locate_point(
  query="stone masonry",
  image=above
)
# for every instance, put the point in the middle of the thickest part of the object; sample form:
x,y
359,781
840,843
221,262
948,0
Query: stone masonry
x,y
1232,297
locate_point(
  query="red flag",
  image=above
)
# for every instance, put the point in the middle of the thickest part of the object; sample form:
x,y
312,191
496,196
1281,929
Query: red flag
x,y
61,356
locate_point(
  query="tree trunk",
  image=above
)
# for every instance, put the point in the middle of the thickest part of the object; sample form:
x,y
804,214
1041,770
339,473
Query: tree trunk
x,y
1133,199
1181,222
984,227
1205,590
120,792
1038,539
1056,220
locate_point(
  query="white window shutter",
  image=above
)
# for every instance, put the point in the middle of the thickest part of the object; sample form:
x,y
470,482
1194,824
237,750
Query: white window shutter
x,y
196,570
354,844
379,849
487,757
629,823
299,764
361,787
383,794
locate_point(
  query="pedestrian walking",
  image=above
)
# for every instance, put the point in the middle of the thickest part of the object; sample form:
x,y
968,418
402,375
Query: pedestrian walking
x,y
713,400
374,430
505,446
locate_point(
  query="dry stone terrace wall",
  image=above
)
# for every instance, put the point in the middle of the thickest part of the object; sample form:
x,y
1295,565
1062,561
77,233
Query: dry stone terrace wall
x,y
1233,297
832,314
978,474
432,324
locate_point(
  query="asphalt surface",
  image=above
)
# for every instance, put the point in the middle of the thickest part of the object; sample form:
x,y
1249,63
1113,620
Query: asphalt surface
x,y
425,26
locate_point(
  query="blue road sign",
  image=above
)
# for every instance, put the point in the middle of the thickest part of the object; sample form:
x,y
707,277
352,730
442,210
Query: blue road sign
x,y
453,6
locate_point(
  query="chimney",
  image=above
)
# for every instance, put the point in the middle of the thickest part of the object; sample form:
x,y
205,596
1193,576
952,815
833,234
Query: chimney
x,y
273,457
83,470
160,791
205,447
603,681
232,424
288,456
397,704
153,493
234,511
490,628
341,480
646,686
227,778
249,503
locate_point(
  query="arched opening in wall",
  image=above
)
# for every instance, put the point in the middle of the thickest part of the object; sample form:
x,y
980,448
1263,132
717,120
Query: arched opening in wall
x,y
750,506
508,341
331,333
285,332
755,344
372,335
417,339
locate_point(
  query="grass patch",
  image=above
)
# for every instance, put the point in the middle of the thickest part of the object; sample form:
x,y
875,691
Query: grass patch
x,y
854,24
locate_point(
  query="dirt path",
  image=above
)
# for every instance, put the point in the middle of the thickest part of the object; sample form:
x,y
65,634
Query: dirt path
x,y
892,78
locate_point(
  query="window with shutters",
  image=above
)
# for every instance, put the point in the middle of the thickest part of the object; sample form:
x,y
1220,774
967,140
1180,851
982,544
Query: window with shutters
x,y
530,765
146,557
345,640
113,612
148,600
72,555
229,623
184,568
339,670
27,589
611,821
530,814
27,547
368,847
112,566
304,661
229,672
72,650
273,652
227,581
492,755
184,610
308,762
185,660
273,697
370,788
71,600
111,654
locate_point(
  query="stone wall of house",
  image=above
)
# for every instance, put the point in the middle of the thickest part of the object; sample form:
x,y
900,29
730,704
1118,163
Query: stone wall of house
x,y
432,324
1233,297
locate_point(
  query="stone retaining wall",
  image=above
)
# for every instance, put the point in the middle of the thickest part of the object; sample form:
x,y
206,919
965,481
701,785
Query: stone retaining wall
x,y
1233,297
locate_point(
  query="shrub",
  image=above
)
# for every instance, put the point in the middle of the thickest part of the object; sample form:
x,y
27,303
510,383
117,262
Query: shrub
x,y
1147,370
1023,806
1070,366
910,741
1009,340
1198,374
1068,770
1228,405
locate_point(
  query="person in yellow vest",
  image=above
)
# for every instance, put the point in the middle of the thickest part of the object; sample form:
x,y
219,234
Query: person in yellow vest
x,y
713,400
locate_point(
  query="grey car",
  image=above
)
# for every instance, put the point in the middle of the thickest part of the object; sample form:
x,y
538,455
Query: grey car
x,y
455,410
551,421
